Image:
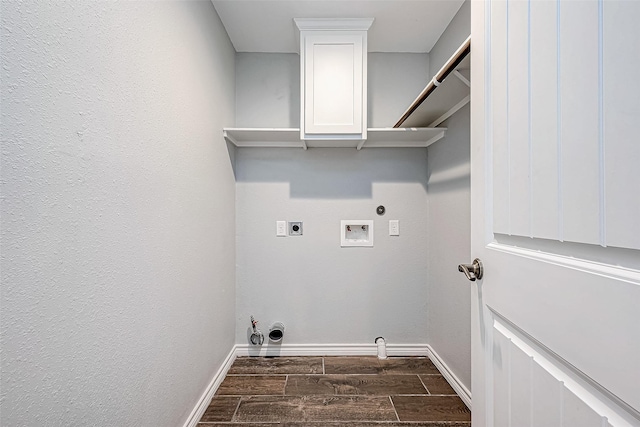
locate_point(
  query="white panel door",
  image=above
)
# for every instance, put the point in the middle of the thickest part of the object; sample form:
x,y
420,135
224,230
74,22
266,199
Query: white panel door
x,y
555,185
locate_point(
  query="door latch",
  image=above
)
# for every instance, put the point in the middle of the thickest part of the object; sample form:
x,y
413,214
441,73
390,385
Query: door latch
x,y
472,271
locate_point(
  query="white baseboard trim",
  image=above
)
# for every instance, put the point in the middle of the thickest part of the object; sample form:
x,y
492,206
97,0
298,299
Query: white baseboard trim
x,y
451,378
330,350
211,389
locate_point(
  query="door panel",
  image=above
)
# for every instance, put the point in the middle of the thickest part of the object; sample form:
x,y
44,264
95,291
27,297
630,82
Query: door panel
x,y
582,311
621,109
517,120
541,390
547,393
544,120
499,80
580,102
556,317
562,111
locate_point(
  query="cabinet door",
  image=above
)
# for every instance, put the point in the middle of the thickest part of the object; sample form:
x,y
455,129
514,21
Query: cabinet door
x,y
334,79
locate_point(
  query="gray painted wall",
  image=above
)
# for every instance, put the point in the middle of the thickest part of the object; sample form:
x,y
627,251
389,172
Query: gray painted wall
x,y
394,80
268,87
322,292
457,32
118,281
268,90
449,228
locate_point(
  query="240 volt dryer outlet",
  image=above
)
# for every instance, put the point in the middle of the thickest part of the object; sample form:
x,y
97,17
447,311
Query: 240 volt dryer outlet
x,y
295,228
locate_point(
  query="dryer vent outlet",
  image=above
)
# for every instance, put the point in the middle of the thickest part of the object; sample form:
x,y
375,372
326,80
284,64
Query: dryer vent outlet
x,y
276,332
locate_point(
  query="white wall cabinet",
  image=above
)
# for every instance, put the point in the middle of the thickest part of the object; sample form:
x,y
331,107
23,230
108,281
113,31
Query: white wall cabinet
x,y
333,104
333,66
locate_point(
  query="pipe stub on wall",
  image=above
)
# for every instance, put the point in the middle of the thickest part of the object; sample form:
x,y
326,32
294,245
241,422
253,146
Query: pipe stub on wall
x,y
381,345
276,332
257,338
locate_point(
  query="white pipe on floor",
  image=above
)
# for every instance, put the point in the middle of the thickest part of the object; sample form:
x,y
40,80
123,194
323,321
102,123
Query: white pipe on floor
x,y
382,348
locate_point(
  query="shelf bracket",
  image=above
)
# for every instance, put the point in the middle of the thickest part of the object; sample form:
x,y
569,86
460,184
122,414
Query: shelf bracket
x,y
435,138
229,138
451,112
462,78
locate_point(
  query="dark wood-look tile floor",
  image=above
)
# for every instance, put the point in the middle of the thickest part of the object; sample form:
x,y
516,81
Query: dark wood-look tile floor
x,y
335,391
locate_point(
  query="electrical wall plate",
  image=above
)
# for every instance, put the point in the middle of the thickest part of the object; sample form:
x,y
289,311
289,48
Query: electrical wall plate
x,y
356,232
394,227
295,228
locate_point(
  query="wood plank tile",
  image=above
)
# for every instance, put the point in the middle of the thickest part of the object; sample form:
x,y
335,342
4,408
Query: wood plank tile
x,y
436,384
408,365
314,408
240,424
220,409
252,385
277,365
430,408
375,424
351,365
344,424
384,385
243,424
379,424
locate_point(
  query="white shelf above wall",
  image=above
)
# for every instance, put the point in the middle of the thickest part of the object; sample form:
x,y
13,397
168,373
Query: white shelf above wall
x,y
403,137
290,138
264,137
445,94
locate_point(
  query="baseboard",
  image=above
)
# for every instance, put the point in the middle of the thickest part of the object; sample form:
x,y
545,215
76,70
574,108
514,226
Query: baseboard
x,y
451,378
329,350
211,389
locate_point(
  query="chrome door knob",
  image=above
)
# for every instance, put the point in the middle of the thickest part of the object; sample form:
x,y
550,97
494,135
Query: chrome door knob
x,y
472,271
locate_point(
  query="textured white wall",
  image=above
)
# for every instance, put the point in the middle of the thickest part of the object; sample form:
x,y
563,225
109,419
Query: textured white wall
x,y
449,193
118,268
268,87
324,293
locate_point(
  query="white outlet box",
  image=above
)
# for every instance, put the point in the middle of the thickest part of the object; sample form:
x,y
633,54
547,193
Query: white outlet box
x,y
394,227
281,228
356,232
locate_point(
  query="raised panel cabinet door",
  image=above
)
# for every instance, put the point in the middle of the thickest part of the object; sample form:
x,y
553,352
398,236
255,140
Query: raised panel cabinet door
x,y
333,84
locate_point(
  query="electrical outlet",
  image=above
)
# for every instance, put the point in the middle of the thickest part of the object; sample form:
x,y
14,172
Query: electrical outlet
x,y
281,228
295,228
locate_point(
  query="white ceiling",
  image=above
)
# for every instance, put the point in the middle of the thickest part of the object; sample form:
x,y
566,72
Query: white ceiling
x,y
399,26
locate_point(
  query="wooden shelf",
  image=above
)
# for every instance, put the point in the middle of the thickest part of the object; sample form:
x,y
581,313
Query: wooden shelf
x,y
376,138
437,102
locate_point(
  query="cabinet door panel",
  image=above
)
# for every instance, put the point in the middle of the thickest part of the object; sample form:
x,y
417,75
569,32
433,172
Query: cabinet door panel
x,y
333,86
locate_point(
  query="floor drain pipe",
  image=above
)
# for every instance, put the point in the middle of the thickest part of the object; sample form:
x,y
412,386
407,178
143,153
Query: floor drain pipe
x,y
382,348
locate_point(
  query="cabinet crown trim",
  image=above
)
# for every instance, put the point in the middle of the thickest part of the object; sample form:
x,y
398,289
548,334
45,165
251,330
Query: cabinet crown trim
x,y
332,24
